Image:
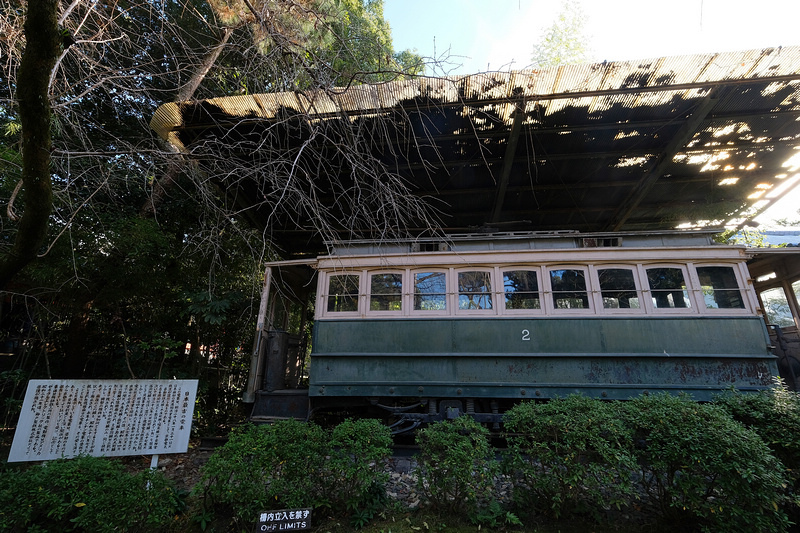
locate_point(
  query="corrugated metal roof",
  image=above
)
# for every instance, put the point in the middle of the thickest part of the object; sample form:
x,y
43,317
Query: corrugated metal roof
x,y
633,145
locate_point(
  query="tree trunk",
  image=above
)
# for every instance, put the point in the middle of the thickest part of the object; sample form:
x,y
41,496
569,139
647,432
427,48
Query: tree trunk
x,y
43,43
161,186
75,352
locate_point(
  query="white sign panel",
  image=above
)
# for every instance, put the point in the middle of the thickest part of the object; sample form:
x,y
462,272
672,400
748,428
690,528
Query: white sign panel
x,y
67,418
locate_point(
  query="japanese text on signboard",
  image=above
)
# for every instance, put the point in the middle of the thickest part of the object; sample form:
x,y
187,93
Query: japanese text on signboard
x,y
284,520
67,418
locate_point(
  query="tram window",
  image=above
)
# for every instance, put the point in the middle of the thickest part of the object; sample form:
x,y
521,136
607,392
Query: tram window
x,y
796,289
343,293
776,307
386,292
474,290
668,287
429,291
618,288
720,288
569,289
521,289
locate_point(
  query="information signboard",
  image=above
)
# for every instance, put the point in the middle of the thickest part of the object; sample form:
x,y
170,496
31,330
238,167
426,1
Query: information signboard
x,y
67,418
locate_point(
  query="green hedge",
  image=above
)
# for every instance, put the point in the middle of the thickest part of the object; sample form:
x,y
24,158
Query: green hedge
x,y
698,466
775,416
291,464
658,457
456,465
732,465
569,456
85,494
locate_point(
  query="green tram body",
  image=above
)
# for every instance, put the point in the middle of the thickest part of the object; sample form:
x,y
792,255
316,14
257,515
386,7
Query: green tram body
x,y
600,321
479,358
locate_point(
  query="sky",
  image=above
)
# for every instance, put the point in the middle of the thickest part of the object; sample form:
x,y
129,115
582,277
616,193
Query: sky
x,y
468,36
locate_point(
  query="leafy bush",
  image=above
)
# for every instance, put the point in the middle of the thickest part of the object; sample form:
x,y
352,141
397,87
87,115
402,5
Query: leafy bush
x,y
356,476
291,464
266,467
774,415
697,466
569,456
456,465
85,494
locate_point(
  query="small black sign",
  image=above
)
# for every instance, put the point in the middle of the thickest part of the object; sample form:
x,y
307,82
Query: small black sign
x,y
284,520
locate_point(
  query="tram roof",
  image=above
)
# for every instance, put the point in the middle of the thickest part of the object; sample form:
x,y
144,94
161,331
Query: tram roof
x,y
700,140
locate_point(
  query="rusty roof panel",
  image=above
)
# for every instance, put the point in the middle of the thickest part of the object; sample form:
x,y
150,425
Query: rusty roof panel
x,y
635,144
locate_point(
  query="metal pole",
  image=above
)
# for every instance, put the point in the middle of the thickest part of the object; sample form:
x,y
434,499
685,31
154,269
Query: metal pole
x,y
249,395
153,467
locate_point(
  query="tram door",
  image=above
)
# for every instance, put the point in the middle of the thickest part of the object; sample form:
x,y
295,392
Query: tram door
x,y
277,385
776,277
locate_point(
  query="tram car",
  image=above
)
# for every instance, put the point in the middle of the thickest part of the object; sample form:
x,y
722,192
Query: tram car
x,y
430,329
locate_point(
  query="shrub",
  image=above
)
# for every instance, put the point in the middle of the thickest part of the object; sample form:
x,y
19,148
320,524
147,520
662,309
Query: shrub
x,y
85,494
291,464
356,474
699,467
456,466
266,467
774,415
569,456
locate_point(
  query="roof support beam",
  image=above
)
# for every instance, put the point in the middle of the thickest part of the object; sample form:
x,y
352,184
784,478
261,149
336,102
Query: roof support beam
x,y
508,161
646,183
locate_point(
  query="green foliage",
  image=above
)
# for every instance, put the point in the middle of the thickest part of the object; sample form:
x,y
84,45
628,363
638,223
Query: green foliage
x,y
85,494
10,159
493,515
564,42
291,464
569,456
753,237
118,292
266,467
410,62
361,49
145,295
355,470
774,415
697,466
456,465
12,129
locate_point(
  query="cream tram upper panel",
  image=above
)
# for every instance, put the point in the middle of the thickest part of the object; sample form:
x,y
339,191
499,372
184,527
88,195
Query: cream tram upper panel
x,y
579,255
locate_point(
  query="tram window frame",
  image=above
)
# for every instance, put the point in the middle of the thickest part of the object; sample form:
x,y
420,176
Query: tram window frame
x,y
691,307
795,286
767,314
597,290
446,294
402,294
491,293
503,294
327,294
700,291
550,294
